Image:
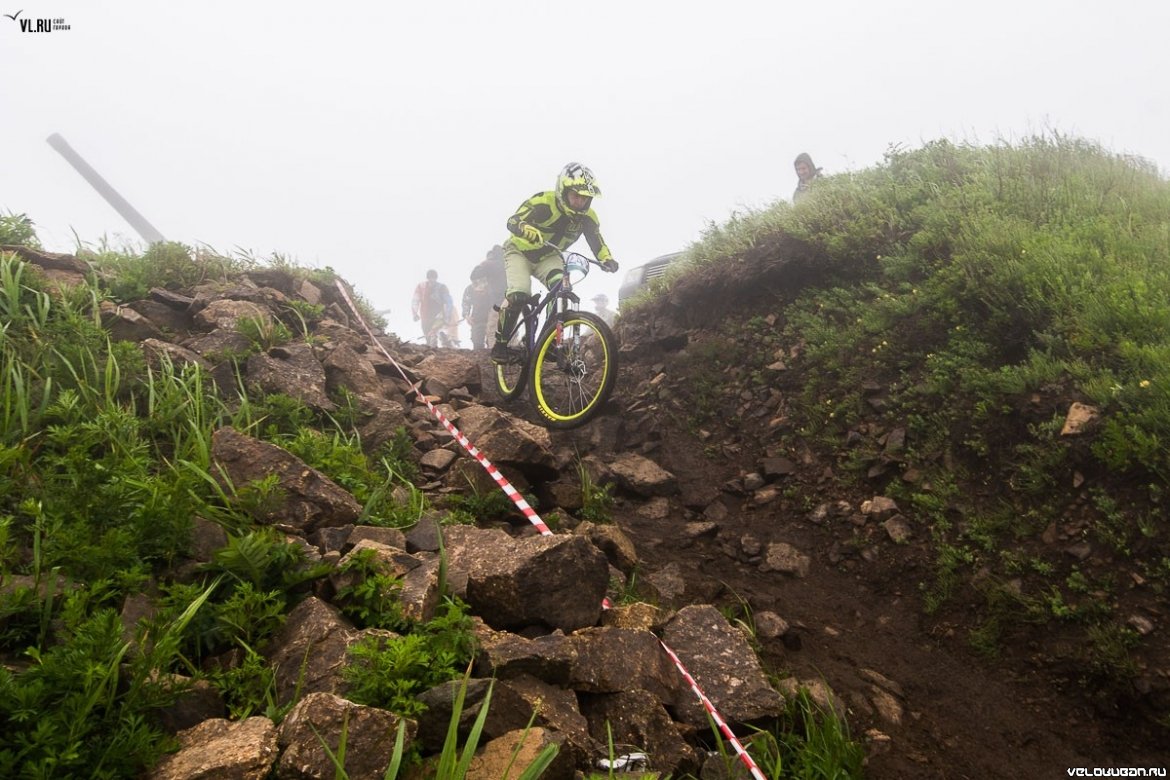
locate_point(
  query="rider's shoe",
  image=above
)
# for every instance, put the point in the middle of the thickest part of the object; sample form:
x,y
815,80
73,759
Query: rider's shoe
x,y
500,353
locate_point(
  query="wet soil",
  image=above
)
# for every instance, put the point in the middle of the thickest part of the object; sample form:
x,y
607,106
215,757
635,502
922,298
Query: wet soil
x,y
962,717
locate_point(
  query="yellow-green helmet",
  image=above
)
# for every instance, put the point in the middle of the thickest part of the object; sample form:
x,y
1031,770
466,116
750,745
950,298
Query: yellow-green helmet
x,y
575,177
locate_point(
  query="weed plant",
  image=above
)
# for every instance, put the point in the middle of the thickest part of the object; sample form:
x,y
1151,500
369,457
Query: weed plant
x,y
264,332
104,461
389,672
18,230
596,499
810,741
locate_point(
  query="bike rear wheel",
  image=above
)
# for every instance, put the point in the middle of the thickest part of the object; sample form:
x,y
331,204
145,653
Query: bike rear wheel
x,y
573,369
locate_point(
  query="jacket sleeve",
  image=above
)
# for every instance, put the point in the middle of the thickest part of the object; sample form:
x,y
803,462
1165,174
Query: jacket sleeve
x,y
416,300
532,212
593,237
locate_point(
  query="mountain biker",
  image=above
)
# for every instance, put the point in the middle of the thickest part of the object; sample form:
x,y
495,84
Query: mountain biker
x,y
558,217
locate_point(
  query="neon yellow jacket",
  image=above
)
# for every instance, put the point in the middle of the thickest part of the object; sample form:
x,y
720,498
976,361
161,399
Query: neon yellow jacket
x,y
560,228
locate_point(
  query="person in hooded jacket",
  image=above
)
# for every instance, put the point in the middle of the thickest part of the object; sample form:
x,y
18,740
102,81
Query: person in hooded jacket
x,y
806,173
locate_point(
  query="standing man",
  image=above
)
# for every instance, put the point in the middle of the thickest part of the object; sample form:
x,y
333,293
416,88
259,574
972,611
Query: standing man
x,y
487,287
429,305
558,217
601,306
806,173
476,306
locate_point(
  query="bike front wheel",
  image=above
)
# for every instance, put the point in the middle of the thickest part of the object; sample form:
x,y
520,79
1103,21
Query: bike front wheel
x,y
573,369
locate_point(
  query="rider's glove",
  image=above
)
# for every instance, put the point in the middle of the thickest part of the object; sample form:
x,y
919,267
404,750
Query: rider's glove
x,y
532,235
609,266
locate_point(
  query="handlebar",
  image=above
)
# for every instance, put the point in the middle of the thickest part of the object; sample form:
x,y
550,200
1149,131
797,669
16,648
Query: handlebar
x,y
564,253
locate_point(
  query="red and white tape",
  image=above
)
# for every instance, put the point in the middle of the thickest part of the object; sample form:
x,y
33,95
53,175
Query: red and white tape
x,y
530,513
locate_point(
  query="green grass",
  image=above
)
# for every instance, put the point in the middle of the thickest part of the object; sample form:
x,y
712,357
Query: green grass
x,y
982,288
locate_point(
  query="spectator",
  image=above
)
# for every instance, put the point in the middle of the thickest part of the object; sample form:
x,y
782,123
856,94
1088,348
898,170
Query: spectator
x,y
477,310
601,306
432,306
449,332
806,172
488,283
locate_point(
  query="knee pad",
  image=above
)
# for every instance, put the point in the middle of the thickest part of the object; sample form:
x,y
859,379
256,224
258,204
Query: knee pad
x,y
552,277
515,300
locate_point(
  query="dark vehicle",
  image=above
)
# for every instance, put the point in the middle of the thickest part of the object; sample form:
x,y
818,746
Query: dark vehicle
x,y
637,278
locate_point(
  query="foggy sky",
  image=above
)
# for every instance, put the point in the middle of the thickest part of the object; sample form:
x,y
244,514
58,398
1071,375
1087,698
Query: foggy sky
x,y
383,140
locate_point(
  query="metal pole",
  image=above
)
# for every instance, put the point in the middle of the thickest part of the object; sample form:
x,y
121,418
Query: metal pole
x,y
148,231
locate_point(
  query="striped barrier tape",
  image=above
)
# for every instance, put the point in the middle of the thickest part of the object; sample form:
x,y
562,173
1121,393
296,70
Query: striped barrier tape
x,y
530,513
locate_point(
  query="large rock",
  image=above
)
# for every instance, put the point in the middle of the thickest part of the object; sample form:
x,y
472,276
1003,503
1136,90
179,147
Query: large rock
x,y
322,717
609,660
125,324
512,753
613,541
156,349
222,750
633,717
291,370
218,345
514,702
503,655
723,665
506,439
557,581
417,576
164,316
222,314
388,418
58,269
642,476
446,370
310,650
311,500
345,368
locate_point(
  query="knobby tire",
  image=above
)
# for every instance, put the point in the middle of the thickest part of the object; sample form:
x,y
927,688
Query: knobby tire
x,y
573,369
511,379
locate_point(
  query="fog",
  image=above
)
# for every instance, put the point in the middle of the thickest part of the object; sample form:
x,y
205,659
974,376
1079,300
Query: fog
x,y
382,140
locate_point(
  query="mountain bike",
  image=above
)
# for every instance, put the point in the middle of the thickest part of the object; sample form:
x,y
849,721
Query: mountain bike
x,y
567,356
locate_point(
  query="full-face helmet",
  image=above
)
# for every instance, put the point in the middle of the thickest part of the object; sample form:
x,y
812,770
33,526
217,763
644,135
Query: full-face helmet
x,y
575,177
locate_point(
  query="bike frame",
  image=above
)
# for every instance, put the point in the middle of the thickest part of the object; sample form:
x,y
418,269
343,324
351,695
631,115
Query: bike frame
x,y
551,323
530,318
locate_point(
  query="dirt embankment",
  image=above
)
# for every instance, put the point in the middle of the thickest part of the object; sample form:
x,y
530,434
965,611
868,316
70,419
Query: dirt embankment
x,y
930,706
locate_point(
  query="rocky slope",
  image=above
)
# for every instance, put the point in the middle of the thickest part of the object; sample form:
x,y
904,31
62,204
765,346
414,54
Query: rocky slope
x,y
709,510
